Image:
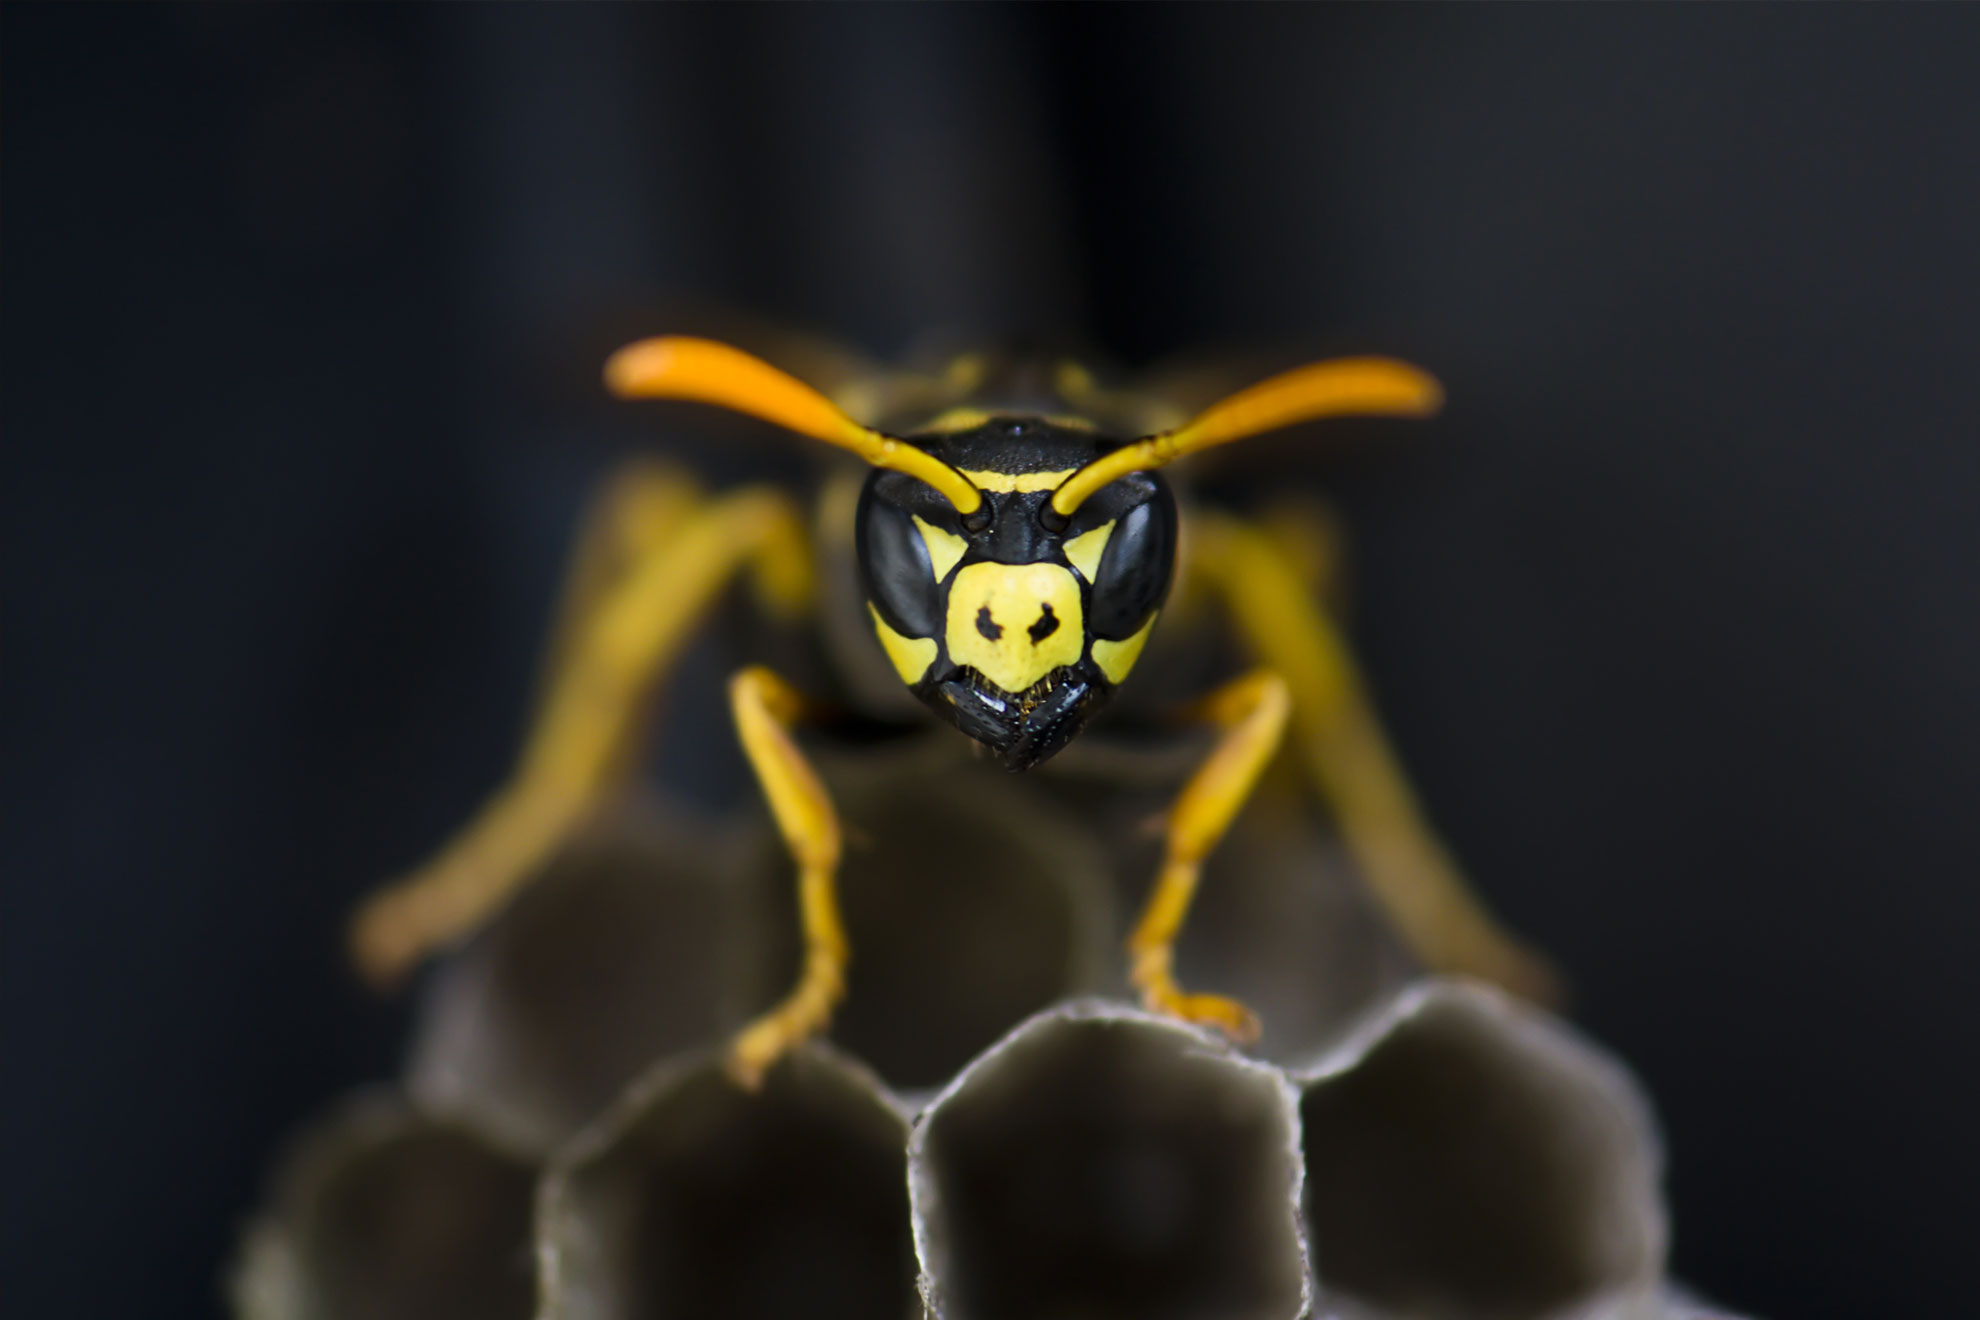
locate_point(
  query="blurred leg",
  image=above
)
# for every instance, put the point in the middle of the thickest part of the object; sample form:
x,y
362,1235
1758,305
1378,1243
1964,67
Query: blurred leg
x,y
647,570
641,507
1307,534
1353,767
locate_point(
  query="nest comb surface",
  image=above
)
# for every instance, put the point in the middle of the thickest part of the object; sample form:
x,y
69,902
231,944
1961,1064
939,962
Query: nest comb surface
x,y
988,1135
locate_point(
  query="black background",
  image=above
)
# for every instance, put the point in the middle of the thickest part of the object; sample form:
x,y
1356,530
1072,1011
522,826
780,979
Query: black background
x,y
1673,613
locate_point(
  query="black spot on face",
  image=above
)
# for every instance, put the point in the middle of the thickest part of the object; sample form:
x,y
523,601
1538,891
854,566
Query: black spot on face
x,y
1048,623
986,625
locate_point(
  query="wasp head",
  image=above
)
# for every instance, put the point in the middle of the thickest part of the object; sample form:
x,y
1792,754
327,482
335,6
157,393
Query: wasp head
x,y
1015,623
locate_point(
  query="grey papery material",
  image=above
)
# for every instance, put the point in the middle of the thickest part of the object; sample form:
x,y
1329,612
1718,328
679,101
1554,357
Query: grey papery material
x,y
1397,1148
1468,1156
692,1198
381,1213
1281,920
972,899
1283,924
1100,1161
651,934
643,938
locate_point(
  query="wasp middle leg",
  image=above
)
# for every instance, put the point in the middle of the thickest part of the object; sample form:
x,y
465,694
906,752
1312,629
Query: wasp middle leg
x,y
651,563
1352,766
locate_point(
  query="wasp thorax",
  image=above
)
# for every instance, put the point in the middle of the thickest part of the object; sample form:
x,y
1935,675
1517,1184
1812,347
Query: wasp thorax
x,y
1015,625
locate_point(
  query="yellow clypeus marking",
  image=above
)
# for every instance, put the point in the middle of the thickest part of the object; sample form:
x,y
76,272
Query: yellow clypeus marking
x,y
1017,483
944,548
1085,550
1117,658
1015,623
911,655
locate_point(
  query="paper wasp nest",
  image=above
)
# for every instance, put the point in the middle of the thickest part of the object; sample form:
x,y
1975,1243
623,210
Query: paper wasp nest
x,y
992,1133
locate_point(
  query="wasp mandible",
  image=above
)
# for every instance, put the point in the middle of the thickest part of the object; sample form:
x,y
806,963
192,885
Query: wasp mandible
x,y
1013,551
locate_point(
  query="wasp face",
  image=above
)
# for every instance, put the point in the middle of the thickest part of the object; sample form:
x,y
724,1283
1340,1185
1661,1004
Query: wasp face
x,y
1013,624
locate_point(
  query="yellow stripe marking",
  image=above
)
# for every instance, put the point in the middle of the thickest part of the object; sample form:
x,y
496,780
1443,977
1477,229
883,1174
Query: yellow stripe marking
x,y
1017,483
1085,550
1117,658
952,420
911,655
955,419
944,547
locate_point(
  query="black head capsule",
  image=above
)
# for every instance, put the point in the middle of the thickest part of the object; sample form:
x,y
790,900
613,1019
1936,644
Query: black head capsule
x,y
1016,623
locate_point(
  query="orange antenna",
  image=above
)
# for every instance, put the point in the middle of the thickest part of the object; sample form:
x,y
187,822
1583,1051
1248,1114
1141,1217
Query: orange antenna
x,y
1345,386
680,367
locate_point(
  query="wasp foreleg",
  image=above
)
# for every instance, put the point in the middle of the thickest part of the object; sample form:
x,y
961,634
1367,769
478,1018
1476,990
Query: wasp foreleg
x,y
1252,712
765,708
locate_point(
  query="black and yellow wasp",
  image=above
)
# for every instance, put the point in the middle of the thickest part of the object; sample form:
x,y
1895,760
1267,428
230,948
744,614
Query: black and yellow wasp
x,y
1012,554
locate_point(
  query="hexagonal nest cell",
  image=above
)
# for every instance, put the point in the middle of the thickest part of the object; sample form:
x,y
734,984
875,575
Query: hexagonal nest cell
x,y
1103,1163
1474,1160
382,1213
696,1198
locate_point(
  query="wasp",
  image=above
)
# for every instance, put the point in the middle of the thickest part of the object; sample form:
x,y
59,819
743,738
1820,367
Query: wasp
x,y
1013,542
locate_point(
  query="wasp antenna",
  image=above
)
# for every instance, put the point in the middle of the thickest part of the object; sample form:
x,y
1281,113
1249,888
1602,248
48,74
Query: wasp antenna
x,y
681,367
1368,386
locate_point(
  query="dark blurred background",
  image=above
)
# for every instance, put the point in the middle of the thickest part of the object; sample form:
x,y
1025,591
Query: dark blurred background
x,y
1673,614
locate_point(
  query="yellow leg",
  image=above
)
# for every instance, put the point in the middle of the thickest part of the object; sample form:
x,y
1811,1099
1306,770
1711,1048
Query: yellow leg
x,y
641,507
1252,712
765,707
639,587
1307,535
1353,767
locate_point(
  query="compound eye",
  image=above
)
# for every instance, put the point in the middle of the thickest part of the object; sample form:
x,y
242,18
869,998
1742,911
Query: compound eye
x,y
1135,570
895,567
